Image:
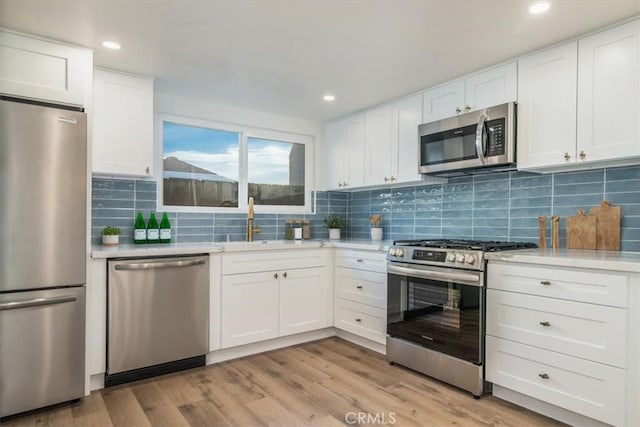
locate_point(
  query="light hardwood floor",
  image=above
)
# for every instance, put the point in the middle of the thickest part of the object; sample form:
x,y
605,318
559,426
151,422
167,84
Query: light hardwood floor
x,y
323,383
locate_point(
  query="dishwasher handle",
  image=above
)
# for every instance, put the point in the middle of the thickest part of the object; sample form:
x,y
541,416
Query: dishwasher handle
x,y
14,305
159,264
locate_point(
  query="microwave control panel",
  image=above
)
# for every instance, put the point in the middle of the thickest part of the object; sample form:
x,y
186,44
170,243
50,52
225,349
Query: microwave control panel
x,y
495,137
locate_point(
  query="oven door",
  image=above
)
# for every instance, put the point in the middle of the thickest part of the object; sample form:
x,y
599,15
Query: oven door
x,y
438,308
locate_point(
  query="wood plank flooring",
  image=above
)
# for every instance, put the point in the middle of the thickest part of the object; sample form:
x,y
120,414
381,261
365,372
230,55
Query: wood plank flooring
x,y
314,384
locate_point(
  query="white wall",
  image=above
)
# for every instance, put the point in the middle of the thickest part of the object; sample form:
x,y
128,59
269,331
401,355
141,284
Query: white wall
x,y
196,108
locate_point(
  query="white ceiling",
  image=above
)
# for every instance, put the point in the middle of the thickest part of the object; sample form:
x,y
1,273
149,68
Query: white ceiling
x,y
281,56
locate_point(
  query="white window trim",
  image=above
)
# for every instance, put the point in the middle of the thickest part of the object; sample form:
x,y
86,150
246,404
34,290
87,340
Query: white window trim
x,y
243,173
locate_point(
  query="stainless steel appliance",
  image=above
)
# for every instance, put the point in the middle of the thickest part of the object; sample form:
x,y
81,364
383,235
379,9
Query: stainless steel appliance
x,y
43,250
470,142
158,316
435,308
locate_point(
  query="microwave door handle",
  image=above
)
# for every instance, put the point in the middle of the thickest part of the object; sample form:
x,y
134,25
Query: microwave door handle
x,y
480,137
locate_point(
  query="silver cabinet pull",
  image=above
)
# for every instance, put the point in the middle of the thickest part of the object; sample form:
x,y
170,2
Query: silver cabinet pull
x,y
275,276
567,156
458,110
359,260
545,282
386,179
285,275
427,338
147,170
544,376
545,323
359,286
14,305
467,108
392,179
159,264
583,154
358,320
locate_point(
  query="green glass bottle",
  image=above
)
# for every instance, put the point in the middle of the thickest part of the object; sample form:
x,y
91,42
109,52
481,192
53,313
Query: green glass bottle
x,y
165,229
153,231
139,230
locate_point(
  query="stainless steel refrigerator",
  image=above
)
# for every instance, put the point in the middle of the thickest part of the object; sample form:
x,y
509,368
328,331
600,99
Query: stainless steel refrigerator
x,y
43,249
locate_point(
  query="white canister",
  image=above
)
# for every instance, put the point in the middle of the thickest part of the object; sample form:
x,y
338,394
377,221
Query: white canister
x,y
376,233
334,233
297,233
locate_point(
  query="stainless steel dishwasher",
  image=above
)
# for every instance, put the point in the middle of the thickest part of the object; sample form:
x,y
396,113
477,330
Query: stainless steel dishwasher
x,y
158,316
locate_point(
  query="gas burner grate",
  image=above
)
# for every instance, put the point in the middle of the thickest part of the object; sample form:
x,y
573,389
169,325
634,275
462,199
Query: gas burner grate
x,y
478,245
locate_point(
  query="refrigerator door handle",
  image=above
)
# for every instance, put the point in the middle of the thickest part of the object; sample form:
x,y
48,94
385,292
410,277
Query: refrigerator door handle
x,y
14,305
151,265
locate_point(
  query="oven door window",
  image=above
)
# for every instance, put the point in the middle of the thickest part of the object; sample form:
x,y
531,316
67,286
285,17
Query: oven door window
x,y
442,316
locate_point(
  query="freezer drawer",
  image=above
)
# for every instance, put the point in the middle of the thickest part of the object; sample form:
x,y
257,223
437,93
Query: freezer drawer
x,y
42,343
158,311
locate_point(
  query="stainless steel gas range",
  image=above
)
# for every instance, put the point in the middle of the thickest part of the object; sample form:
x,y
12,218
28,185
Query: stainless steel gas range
x,y
435,308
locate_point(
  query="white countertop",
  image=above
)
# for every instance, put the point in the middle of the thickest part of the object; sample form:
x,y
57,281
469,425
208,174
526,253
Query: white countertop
x,y
159,249
579,258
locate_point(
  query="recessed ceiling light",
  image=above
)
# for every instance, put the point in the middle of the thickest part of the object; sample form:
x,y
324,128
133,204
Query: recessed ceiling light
x,y
329,98
111,45
539,7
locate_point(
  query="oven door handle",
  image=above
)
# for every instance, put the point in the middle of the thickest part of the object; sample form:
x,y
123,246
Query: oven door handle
x,y
466,277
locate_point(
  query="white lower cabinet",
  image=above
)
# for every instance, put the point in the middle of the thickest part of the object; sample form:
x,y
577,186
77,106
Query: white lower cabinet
x,y
303,300
361,293
587,388
561,335
261,305
249,308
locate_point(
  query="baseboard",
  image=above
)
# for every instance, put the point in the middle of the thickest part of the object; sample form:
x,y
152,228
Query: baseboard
x,y
363,342
544,408
262,346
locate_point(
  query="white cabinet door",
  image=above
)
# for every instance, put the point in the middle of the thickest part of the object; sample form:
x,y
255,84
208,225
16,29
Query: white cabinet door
x,y
249,308
443,101
547,107
336,135
345,152
406,117
38,69
304,304
492,87
609,94
379,146
123,124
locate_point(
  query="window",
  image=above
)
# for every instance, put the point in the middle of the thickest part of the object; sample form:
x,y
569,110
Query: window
x,y
200,166
276,172
216,167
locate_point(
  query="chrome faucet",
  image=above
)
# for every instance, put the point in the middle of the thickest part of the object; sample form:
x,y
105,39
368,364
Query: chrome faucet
x,y
251,227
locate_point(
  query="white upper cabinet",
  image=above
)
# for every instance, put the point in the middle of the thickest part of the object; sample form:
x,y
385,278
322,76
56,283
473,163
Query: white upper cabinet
x,y
580,102
609,94
344,143
406,117
547,107
379,146
122,125
444,101
43,70
485,89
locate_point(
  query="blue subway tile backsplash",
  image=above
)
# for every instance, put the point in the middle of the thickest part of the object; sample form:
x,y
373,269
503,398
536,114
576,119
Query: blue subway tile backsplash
x,y
498,206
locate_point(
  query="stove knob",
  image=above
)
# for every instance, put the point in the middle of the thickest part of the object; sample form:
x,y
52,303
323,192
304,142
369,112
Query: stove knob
x,y
459,258
451,256
392,251
400,252
469,259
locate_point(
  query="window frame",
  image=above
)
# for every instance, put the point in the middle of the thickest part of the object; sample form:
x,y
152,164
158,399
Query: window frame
x,y
245,133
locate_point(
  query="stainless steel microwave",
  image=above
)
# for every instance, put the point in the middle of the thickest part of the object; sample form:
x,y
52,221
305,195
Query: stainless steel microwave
x,y
470,142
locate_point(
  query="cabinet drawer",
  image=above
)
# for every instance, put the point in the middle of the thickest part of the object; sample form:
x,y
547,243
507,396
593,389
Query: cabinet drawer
x,y
362,286
272,261
606,288
591,389
363,320
362,260
588,331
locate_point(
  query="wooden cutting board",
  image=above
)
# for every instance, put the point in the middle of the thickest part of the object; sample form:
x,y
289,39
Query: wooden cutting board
x,y
608,219
581,231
